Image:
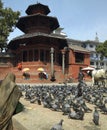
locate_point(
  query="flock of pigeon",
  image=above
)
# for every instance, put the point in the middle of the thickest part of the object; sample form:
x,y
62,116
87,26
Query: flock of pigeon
x,y
64,98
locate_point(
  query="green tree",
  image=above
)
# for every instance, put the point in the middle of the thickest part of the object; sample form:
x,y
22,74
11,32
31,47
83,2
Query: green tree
x,y
102,49
8,20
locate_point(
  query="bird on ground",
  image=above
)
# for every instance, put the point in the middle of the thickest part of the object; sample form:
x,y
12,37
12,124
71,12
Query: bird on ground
x,y
38,100
105,100
55,106
33,100
103,108
76,107
96,116
77,115
72,115
85,107
81,113
58,126
66,108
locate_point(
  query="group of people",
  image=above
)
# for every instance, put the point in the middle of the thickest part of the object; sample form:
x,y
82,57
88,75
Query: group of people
x,y
44,75
26,75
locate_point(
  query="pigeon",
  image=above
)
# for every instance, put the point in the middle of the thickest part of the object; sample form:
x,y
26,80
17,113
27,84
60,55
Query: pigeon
x,y
58,126
76,107
96,116
33,100
81,113
55,106
85,107
103,108
76,115
73,115
66,109
38,100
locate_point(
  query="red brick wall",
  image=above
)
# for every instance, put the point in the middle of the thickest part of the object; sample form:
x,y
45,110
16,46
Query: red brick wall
x,y
74,67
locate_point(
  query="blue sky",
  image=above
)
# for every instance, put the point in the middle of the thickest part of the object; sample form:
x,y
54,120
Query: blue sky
x,y
81,19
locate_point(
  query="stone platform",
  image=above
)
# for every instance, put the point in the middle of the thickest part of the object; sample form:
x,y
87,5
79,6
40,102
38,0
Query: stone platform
x,y
36,117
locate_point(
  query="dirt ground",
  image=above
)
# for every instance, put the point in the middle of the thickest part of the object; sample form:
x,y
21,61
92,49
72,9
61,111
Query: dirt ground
x,y
46,118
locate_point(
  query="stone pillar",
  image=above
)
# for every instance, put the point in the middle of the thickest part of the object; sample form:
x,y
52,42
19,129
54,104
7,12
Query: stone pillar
x,y
63,61
52,65
64,51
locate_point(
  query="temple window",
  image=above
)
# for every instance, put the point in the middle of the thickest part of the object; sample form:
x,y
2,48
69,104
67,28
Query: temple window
x,y
36,54
41,55
79,58
24,55
47,58
30,55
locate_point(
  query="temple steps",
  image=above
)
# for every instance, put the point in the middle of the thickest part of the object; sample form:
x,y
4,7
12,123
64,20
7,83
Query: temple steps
x,y
34,78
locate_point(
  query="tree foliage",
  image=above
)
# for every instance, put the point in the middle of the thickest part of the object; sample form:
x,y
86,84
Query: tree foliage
x,y
102,49
8,19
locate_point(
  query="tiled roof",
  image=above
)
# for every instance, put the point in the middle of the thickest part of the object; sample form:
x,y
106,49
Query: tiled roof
x,y
78,48
79,41
31,35
53,22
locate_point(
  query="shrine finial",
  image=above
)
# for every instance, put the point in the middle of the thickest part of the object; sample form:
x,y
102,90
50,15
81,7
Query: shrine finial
x,y
96,38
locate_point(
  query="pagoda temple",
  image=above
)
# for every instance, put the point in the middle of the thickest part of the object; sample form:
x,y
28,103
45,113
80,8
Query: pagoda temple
x,y
38,47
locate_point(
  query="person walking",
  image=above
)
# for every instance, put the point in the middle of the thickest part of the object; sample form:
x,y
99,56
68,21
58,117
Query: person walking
x,y
80,76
